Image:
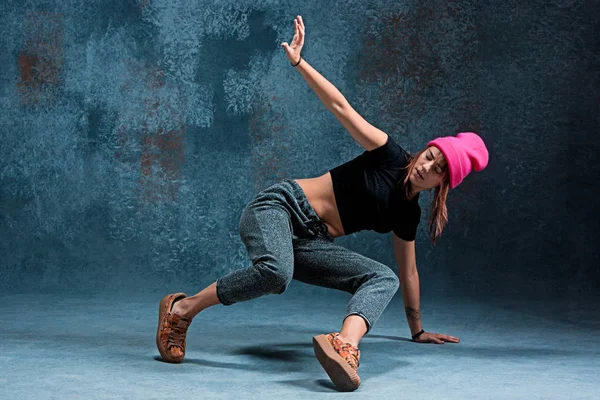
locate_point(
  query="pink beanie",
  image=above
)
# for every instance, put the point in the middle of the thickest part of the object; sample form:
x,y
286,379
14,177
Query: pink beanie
x,y
463,153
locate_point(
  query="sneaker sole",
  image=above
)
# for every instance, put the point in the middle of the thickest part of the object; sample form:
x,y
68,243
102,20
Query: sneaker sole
x,y
163,308
340,372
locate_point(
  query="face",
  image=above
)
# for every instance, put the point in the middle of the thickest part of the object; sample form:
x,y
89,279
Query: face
x,y
428,173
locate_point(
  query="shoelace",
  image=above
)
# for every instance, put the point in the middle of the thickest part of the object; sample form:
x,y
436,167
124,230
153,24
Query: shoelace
x,y
352,359
177,333
352,356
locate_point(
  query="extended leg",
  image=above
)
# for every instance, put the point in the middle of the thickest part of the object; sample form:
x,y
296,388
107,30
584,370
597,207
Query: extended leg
x,y
266,230
189,307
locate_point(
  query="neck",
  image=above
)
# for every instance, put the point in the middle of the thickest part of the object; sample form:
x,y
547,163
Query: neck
x,y
412,194
413,190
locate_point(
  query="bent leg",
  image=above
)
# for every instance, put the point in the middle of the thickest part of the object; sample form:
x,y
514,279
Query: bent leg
x,y
267,226
266,231
372,284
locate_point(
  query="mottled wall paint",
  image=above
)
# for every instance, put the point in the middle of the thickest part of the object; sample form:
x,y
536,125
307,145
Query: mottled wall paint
x,y
41,58
134,133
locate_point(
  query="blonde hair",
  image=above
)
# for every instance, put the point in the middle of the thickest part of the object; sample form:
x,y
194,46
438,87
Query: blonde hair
x,y
438,216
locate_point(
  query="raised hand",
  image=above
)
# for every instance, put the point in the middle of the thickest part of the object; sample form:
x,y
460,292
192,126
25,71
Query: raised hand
x,y
292,51
437,338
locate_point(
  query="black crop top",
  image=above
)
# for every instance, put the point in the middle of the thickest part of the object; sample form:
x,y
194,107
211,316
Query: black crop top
x,y
369,193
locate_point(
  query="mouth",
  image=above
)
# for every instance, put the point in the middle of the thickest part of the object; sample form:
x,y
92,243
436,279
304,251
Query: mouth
x,y
420,176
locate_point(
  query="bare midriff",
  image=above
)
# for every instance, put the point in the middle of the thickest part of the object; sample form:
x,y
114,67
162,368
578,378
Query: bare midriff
x,y
319,192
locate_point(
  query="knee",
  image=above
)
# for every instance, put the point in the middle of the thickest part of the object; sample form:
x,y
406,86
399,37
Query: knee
x,y
276,279
388,278
394,280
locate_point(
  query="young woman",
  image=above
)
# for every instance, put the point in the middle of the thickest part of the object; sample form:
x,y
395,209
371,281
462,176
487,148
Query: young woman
x,y
289,229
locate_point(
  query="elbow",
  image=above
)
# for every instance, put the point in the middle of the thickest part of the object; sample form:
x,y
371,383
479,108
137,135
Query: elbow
x,y
409,273
338,106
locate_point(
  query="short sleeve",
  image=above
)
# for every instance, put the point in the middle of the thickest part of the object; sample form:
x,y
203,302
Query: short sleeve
x,y
388,154
406,224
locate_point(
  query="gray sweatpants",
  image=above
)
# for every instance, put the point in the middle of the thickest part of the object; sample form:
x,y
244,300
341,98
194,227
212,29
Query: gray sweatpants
x,y
286,240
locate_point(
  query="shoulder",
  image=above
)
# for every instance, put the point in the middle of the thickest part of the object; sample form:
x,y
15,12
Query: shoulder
x,y
390,151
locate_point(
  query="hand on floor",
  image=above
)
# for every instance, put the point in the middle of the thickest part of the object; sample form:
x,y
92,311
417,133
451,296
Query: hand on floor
x,y
437,338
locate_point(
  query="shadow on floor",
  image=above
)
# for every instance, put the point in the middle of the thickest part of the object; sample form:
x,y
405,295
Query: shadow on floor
x,y
318,385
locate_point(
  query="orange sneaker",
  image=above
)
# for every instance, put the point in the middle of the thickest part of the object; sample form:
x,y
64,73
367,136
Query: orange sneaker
x,y
340,360
172,328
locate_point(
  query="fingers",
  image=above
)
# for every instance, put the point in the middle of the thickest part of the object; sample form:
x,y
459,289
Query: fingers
x,y
298,39
299,24
302,34
435,338
446,338
449,338
295,38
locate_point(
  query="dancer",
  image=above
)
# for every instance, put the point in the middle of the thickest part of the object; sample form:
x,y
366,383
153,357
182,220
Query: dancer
x,y
289,230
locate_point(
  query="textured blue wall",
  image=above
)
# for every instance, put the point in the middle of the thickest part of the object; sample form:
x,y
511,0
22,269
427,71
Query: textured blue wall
x,y
133,134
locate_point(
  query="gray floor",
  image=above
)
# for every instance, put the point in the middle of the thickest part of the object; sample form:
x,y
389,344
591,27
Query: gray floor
x,y
104,347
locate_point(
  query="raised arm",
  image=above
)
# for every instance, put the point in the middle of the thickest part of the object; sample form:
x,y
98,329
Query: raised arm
x,y
365,134
405,254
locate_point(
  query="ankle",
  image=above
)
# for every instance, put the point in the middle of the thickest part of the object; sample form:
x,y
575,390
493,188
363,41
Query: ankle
x,y
183,309
347,339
